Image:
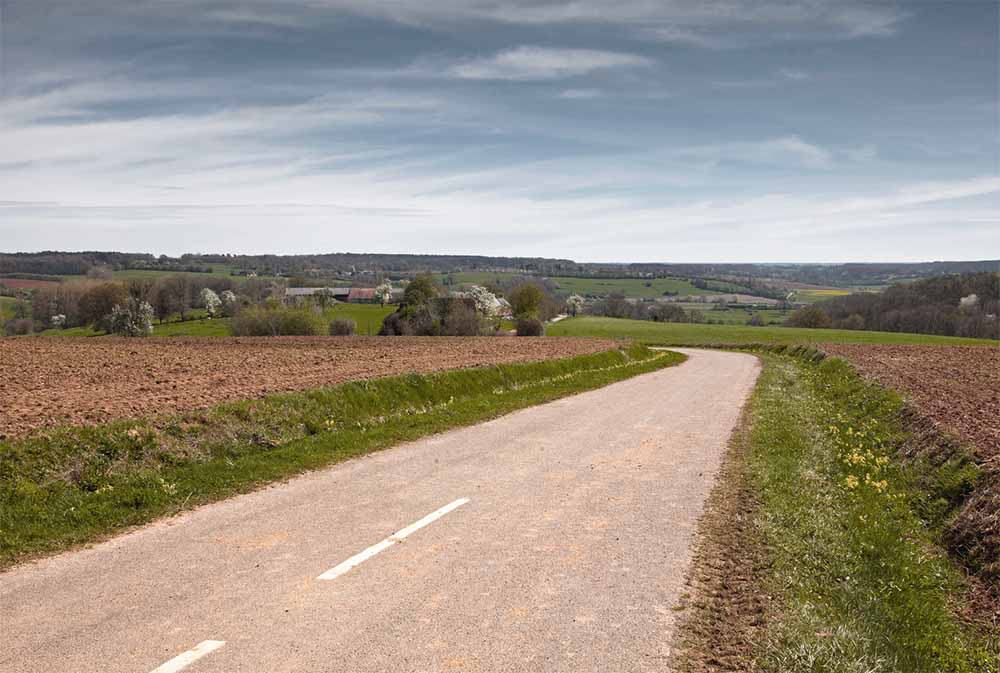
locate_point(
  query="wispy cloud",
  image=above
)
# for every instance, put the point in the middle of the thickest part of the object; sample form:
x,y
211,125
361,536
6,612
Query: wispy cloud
x,y
580,94
529,63
793,74
784,151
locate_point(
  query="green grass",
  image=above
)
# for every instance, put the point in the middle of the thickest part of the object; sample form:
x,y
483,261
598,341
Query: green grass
x,y
859,583
218,270
693,334
6,309
630,287
735,316
367,316
601,287
69,486
193,328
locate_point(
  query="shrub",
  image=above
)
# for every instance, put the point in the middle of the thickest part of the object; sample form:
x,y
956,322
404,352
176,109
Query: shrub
x,y
395,324
530,327
132,318
343,327
19,326
461,319
809,316
277,320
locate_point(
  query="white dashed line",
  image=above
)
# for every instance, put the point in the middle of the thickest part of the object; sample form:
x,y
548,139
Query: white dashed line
x,y
360,558
189,657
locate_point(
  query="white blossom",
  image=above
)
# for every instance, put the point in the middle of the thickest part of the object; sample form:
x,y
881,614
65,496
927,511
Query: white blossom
x,y
486,302
383,292
134,318
574,303
211,301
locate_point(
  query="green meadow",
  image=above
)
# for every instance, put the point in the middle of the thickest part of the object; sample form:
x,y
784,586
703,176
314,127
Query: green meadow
x,y
678,334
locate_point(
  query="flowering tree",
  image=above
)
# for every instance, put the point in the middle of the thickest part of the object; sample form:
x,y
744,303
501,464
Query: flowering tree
x,y
210,301
134,318
58,321
486,302
574,303
383,292
228,299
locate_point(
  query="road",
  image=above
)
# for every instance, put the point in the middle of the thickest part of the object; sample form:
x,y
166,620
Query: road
x,y
555,538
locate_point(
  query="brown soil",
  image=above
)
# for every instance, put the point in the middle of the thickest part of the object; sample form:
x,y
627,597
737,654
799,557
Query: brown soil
x,y
55,381
725,608
956,387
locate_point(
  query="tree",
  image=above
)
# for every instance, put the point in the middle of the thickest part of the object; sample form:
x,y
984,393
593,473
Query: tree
x,y
171,295
485,301
383,292
97,303
574,304
420,290
809,316
228,299
525,300
323,297
132,318
210,301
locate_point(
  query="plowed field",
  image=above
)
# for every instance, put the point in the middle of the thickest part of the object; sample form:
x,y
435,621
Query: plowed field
x,y
957,387
52,381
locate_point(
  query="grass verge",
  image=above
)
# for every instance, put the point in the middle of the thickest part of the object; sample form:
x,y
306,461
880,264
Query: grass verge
x,y
75,485
851,534
684,334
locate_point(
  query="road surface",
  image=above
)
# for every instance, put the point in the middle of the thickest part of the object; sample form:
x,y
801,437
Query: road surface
x,y
553,539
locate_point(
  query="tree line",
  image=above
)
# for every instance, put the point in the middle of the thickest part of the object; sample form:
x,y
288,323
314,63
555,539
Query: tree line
x,y
965,305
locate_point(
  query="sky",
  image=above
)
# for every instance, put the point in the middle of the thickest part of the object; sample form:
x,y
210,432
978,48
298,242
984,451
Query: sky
x,y
634,130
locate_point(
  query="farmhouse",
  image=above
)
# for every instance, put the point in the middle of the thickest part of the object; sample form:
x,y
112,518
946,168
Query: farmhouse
x,y
298,295
354,295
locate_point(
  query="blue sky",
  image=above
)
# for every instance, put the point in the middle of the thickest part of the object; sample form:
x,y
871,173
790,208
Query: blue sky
x,y
639,130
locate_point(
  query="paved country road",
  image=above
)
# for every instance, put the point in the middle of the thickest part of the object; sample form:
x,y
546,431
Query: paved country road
x,y
553,539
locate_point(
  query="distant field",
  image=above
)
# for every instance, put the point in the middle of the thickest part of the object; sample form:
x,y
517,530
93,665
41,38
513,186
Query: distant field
x,y
812,296
680,334
600,287
735,316
218,270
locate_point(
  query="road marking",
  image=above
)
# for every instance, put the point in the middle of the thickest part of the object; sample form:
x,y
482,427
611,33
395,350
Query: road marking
x,y
398,536
189,657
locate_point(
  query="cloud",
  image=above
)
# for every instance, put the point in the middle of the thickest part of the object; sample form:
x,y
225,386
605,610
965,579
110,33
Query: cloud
x,y
581,94
783,151
529,63
793,74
